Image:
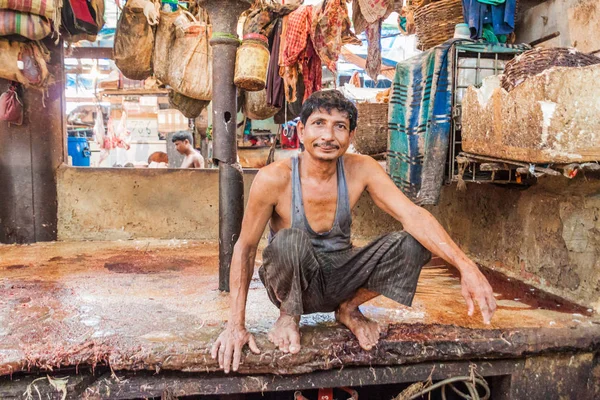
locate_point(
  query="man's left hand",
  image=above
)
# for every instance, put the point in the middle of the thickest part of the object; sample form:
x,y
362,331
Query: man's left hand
x,y
477,289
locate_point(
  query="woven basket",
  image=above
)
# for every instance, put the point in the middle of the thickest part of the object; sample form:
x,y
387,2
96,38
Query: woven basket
x,y
534,61
435,22
371,135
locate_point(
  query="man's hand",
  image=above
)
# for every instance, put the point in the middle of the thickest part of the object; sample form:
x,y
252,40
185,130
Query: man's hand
x,y
229,345
476,288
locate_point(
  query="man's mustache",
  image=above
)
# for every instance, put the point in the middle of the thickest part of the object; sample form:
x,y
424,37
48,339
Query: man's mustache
x,y
328,145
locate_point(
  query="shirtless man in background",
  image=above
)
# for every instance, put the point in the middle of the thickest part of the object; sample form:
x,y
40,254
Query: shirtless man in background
x,y
310,264
183,144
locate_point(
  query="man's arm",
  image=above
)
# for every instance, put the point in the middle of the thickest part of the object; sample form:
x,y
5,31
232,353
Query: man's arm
x,y
259,209
427,230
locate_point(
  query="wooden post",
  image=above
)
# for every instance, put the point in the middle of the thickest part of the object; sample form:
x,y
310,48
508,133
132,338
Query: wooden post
x,y
29,157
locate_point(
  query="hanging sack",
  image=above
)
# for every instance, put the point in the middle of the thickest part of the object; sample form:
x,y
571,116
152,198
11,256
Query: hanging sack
x,y
11,107
190,68
165,35
79,17
24,63
43,8
134,42
255,106
28,26
190,108
97,8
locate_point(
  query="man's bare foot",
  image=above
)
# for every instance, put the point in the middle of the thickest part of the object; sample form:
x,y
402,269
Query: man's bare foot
x,y
366,331
285,334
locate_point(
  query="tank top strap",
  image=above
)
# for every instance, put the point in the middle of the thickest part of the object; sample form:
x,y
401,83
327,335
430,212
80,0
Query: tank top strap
x,y
344,213
297,211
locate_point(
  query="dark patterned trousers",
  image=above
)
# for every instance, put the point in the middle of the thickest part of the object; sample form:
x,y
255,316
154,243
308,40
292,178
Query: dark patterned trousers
x,y
300,280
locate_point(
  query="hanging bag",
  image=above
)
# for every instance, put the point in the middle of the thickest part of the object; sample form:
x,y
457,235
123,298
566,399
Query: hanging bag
x,y
165,36
11,107
134,44
190,68
43,8
28,26
24,63
79,17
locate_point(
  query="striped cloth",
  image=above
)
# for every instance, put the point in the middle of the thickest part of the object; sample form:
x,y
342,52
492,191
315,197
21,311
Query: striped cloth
x,y
419,123
29,26
419,117
44,8
302,280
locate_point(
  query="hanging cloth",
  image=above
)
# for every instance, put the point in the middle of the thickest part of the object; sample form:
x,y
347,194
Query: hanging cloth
x,y
477,14
373,62
330,29
275,94
296,53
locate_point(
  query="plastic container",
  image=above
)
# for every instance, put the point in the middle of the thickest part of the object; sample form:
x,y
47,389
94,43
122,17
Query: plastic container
x,y
169,5
252,63
462,31
79,151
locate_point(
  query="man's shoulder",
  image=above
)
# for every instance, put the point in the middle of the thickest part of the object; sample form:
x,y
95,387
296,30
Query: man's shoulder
x,y
359,161
275,175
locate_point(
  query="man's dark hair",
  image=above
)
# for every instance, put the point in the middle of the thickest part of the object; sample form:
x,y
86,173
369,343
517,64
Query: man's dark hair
x,y
182,135
328,100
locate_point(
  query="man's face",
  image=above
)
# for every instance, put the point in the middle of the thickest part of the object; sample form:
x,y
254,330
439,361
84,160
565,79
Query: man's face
x,y
326,136
181,145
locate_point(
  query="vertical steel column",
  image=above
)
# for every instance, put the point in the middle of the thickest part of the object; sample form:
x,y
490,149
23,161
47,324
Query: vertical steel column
x,y
224,18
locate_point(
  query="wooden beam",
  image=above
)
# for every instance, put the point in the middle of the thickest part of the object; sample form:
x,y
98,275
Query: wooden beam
x,y
90,52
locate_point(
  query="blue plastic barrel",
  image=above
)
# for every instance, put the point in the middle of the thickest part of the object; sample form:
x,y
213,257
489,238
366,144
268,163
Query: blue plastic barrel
x,y
79,151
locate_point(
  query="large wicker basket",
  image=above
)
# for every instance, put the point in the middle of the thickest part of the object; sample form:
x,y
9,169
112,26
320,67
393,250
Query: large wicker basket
x,y
371,135
435,22
534,61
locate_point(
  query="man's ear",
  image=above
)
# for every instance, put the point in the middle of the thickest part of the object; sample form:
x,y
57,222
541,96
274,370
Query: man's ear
x,y
352,132
300,131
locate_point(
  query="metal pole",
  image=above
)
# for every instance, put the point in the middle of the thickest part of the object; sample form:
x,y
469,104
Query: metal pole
x,y
224,18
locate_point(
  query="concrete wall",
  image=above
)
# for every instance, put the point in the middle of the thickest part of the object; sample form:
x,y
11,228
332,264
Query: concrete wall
x,y
578,22
547,235
128,203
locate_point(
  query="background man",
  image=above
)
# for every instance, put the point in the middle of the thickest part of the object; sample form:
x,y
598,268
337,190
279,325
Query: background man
x,y
310,264
183,144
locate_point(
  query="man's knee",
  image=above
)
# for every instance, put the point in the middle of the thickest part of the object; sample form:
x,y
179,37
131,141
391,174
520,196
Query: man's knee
x,y
405,246
417,251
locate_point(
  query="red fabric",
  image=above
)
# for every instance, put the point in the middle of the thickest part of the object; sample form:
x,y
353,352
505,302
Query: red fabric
x,y
11,109
330,29
312,73
296,37
82,11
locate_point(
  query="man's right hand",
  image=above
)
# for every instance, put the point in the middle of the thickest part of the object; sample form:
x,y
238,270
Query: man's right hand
x,y
229,346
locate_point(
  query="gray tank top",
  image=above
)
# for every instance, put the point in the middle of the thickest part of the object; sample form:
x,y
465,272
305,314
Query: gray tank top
x,y
338,238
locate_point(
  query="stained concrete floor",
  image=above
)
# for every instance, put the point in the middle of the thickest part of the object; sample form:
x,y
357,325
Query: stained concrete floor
x,y
155,305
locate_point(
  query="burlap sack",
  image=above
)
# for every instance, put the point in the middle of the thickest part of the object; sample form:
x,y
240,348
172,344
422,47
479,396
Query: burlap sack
x,y
255,106
190,58
190,108
165,36
33,59
134,43
44,8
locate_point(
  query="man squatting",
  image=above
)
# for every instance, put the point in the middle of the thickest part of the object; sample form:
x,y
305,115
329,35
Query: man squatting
x,y
310,264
